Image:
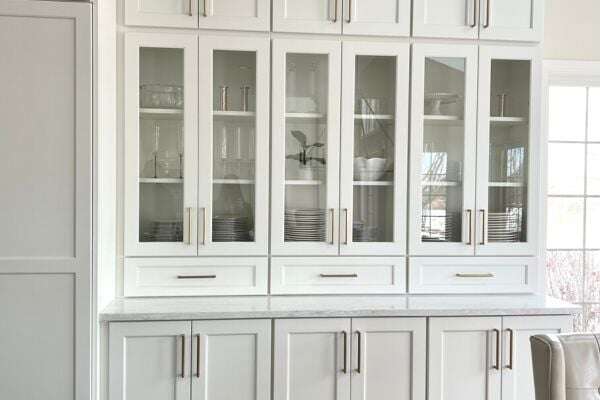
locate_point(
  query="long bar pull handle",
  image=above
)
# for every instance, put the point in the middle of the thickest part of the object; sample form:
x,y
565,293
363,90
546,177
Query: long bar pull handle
x,y
474,24
497,333
338,275
511,344
205,11
470,221
182,356
335,11
345,335
204,225
487,14
187,226
190,8
347,214
349,11
332,220
197,356
474,275
358,352
196,276
483,227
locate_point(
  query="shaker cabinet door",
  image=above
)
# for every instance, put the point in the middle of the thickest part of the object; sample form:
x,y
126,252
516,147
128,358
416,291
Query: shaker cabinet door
x,y
164,13
312,359
149,360
512,20
249,15
307,16
377,17
446,18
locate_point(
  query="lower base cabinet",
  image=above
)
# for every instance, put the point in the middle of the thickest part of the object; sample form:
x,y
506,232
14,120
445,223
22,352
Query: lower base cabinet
x,y
359,358
200,360
485,358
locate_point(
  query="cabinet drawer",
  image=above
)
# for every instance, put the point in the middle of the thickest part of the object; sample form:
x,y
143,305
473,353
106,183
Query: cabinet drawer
x,y
195,276
321,275
472,275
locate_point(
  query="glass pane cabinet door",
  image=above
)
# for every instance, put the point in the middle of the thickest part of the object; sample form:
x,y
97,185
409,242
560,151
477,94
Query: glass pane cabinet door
x,y
305,147
233,163
505,179
161,142
443,146
374,149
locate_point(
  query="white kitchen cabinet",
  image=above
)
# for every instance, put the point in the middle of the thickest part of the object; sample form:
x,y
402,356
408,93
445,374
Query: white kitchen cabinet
x,y
161,144
388,361
150,360
231,360
465,358
443,145
249,15
376,17
312,16
446,18
374,148
512,20
312,359
164,13
517,375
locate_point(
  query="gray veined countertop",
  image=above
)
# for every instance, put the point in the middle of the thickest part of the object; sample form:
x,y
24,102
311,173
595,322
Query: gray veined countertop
x,y
194,308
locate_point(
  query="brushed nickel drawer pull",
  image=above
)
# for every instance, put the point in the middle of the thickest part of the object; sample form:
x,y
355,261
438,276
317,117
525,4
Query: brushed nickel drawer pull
x,y
197,356
474,275
196,276
338,275
511,335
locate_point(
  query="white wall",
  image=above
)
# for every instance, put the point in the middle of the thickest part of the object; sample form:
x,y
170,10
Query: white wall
x,y
572,30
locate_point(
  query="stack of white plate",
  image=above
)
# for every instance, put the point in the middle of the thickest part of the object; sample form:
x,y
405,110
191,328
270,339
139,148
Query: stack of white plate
x,y
364,233
504,227
230,228
441,228
164,231
305,225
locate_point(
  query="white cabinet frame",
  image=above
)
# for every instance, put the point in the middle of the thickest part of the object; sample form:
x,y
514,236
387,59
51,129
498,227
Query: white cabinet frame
x,y
209,19
486,55
419,53
280,49
209,44
133,43
401,53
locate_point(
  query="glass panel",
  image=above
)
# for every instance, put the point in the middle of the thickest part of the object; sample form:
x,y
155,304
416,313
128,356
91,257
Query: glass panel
x,y
234,117
592,276
594,115
566,168
443,150
509,153
593,169
592,318
161,145
374,136
565,223
564,274
592,216
567,113
306,147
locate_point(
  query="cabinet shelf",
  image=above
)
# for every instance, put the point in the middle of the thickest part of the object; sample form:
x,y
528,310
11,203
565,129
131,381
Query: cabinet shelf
x,y
303,182
305,115
440,183
234,114
161,180
508,121
161,111
506,184
234,181
385,117
373,183
446,120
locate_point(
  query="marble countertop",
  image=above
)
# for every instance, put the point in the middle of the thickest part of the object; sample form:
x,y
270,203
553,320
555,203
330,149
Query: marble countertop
x,y
195,308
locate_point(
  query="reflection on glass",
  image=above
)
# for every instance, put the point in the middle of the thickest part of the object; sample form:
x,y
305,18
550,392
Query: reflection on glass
x,y
443,150
509,153
374,138
234,158
306,148
161,145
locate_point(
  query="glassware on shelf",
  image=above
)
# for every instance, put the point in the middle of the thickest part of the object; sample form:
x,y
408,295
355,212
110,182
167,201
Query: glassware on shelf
x,y
435,101
245,97
224,98
161,96
501,104
169,164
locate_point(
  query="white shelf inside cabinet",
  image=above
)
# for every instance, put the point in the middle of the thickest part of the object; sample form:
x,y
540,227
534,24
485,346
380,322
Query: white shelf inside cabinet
x,y
294,115
301,182
508,121
161,111
385,117
446,120
234,181
506,184
373,183
160,180
234,114
440,183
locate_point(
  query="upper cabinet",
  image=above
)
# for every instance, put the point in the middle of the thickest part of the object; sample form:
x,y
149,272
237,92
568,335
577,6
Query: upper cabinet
x,y
353,17
520,20
252,15
313,211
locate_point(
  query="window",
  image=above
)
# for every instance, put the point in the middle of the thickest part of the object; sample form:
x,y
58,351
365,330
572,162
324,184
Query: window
x,y
573,204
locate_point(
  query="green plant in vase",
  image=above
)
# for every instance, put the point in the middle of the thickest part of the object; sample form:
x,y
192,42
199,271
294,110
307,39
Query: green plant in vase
x,y
304,156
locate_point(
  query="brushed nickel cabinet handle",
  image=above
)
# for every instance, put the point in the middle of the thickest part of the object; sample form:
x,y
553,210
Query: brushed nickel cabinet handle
x,y
349,11
487,14
332,220
497,333
182,356
346,226
204,225
190,8
335,11
358,351
338,275
474,275
483,227
345,369
197,356
474,24
187,226
196,276
470,221
511,339
205,11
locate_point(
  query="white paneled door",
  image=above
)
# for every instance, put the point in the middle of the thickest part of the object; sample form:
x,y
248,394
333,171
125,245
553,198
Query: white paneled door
x,y
167,13
249,15
46,200
376,17
446,18
465,358
309,16
512,20
312,359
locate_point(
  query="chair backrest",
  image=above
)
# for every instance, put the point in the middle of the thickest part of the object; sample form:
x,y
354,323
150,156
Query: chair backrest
x,y
566,367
